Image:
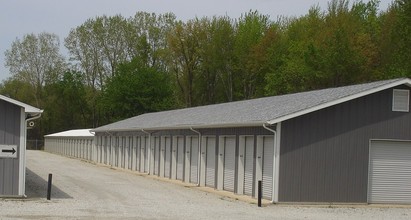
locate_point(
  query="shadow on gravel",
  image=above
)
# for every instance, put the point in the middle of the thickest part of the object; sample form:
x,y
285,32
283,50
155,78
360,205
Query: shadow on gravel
x,y
36,187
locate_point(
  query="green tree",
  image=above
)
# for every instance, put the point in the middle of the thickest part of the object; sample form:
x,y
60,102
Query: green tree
x,y
147,38
18,90
134,90
396,50
215,83
66,104
97,46
184,57
249,30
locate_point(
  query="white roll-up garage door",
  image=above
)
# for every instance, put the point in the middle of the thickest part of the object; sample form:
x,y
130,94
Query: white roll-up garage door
x,y
229,163
389,178
117,151
137,145
249,166
268,157
145,151
156,155
210,165
180,158
193,142
167,154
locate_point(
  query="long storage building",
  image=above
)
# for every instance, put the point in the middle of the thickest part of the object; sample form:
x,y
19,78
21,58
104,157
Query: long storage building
x,y
73,143
348,144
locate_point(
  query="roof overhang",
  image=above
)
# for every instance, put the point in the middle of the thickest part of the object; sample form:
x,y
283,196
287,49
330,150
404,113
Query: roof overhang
x,y
184,127
28,109
405,81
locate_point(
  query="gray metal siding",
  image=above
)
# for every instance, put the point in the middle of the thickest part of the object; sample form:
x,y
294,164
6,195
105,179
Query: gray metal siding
x,y
10,116
324,154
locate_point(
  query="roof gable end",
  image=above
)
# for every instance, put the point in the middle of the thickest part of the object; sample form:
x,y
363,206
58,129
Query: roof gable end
x,y
404,81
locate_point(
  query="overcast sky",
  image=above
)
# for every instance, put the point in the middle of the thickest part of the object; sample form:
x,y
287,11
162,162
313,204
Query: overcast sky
x,y
20,17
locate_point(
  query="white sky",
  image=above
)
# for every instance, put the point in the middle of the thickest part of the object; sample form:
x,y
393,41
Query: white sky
x,y
20,17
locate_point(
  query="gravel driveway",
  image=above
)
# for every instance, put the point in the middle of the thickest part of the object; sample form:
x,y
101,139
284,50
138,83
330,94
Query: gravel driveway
x,y
86,191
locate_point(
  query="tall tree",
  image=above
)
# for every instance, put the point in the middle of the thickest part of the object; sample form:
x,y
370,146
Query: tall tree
x,y
147,38
66,104
134,90
36,59
185,56
250,29
216,71
97,46
398,22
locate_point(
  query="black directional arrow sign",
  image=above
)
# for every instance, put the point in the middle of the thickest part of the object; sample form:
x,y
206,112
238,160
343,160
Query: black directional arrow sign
x,y
12,151
8,151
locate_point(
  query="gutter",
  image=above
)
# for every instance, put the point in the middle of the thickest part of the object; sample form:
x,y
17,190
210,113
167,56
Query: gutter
x,y
187,126
199,155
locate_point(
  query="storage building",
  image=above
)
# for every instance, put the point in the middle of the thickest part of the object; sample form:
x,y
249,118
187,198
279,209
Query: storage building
x,y
74,143
348,144
14,116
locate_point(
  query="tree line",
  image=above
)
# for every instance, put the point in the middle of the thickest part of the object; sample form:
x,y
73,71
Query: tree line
x,y
121,67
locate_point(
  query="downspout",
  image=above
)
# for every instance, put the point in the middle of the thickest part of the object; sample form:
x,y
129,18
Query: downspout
x,y
199,155
275,137
149,147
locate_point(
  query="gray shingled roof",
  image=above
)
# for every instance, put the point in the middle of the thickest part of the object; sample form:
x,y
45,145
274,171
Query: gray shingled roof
x,y
249,112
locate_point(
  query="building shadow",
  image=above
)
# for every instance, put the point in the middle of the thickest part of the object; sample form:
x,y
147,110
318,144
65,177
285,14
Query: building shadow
x,y
36,187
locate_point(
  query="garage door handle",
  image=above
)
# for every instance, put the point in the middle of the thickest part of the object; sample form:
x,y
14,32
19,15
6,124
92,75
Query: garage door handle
x,y
241,155
259,157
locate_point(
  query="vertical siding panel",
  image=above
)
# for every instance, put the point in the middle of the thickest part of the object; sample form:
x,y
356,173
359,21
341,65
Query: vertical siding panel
x,y
305,165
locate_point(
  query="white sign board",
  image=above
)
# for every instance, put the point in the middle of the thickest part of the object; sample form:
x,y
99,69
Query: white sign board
x,y
8,151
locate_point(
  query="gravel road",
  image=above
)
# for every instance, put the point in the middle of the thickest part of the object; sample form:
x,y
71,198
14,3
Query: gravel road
x,y
83,190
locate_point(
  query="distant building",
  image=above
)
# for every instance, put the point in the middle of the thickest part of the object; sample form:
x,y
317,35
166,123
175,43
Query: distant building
x,y
75,143
14,117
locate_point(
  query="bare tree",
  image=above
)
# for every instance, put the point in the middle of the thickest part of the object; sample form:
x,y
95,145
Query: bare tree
x,y
36,59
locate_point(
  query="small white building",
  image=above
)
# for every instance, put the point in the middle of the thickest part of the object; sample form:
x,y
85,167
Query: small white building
x,y
73,143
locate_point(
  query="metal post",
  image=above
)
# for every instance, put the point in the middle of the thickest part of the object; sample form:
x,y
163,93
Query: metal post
x,y
49,186
260,192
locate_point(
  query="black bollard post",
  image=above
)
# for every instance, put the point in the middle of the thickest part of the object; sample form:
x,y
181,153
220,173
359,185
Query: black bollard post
x,y
260,192
49,186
